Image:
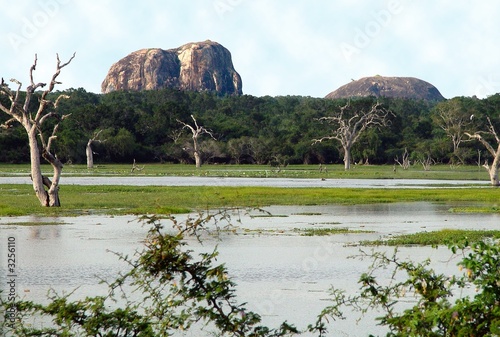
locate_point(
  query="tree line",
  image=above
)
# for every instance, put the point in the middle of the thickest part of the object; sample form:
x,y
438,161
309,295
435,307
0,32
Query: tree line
x,y
150,126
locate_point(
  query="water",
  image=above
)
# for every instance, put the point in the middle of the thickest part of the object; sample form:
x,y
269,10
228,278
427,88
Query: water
x,y
271,182
282,275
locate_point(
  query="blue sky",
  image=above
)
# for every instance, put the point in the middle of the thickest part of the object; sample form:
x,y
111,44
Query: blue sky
x,y
279,47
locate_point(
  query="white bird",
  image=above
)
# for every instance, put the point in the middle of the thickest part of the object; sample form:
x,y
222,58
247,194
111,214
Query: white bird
x,y
471,116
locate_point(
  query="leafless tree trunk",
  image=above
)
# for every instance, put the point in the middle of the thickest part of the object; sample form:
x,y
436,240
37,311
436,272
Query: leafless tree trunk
x,y
493,168
196,130
88,149
351,123
90,155
32,123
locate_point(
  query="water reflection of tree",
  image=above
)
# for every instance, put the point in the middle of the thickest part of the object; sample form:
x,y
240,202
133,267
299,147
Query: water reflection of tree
x,y
44,232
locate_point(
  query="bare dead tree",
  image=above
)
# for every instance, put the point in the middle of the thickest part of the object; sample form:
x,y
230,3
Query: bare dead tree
x,y
88,149
197,131
405,160
136,167
350,123
427,163
493,168
39,139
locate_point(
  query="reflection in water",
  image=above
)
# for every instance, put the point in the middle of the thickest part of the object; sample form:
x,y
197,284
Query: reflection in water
x,y
282,275
44,232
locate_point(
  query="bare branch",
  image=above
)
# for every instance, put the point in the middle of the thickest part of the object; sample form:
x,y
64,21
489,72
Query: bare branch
x,y
480,138
185,125
32,87
324,138
196,131
47,116
96,135
65,64
13,111
349,124
53,82
195,122
32,69
51,138
8,124
56,103
492,130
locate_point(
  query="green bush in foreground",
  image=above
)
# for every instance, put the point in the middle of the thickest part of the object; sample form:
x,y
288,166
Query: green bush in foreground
x,y
167,290
418,301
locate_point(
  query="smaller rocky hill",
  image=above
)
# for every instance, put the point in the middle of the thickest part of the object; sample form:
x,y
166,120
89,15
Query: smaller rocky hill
x,y
200,66
395,87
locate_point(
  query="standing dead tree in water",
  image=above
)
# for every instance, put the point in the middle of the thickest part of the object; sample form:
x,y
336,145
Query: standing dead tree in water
x,y
40,135
350,123
480,136
197,131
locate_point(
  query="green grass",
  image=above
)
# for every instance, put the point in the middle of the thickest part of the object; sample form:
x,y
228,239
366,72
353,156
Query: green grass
x,y
328,231
435,238
35,223
480,209
18,200
442,172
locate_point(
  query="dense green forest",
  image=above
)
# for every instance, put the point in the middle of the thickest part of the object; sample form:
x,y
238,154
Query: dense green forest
x,y
145,126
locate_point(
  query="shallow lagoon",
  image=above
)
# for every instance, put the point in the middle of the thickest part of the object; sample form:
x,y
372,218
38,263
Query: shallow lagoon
x,y
282,275
266,182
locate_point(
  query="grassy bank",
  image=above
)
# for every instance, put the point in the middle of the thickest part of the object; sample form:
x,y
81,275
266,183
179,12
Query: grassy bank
x,y
77,200
442,172
436,238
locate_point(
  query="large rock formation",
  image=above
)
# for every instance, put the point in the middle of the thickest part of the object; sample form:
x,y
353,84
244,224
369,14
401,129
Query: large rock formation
x,y
202,66
399,87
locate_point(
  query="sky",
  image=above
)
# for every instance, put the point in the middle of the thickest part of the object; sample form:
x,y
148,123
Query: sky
x,y
279,47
